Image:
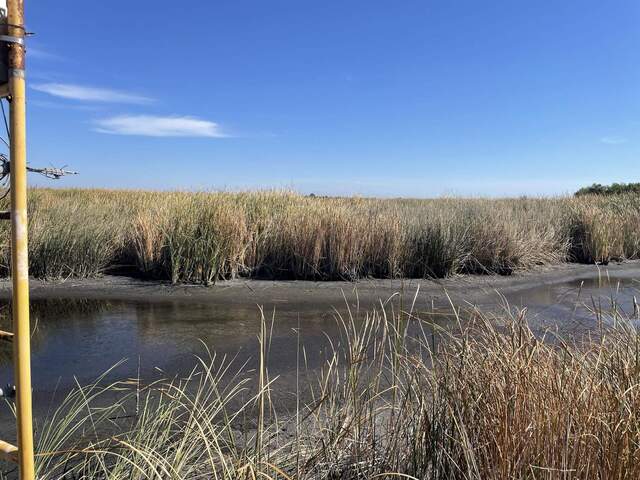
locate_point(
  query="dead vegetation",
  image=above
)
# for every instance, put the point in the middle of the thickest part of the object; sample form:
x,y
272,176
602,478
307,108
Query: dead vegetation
x,y
398,397
203,237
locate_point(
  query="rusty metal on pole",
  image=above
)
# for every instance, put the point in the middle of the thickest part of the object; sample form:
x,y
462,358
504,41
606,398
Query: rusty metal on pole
x,y
19,246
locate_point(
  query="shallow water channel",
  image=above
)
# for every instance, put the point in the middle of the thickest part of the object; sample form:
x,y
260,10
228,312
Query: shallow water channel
x,y
77,339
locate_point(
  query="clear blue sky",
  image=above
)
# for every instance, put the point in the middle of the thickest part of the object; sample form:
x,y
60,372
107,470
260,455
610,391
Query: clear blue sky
x,y
408,98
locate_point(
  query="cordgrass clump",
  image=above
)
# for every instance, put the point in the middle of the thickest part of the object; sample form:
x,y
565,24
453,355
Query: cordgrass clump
x,y
204,237
485,397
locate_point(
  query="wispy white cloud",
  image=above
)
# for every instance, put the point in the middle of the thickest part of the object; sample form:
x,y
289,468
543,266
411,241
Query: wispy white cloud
x,y
155,126
613,140
90,94
87,107
39,53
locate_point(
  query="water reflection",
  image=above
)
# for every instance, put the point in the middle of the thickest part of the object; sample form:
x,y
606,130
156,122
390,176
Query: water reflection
x,y
85,338
571,308
75,340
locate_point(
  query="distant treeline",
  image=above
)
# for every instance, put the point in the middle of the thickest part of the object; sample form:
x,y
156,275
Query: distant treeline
x,y
613,189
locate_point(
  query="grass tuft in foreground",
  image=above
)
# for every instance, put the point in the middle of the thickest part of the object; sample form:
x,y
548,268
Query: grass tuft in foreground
x,y
486,399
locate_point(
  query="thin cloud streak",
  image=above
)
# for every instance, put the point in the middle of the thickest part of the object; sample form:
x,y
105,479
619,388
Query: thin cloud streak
x,y
155,126
40,54
90,94
613,140
64,106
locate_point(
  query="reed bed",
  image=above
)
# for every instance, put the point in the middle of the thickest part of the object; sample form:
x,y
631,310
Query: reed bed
x,y
203,237
398,397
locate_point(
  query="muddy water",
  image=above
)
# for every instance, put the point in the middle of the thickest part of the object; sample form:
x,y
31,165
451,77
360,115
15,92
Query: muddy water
x,y
78,338
570,307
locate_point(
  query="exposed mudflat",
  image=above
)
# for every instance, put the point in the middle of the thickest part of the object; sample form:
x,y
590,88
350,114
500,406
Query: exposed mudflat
x,y
478,289
84,327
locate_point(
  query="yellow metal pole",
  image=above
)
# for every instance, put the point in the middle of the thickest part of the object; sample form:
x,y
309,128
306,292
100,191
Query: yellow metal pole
x,y
19,246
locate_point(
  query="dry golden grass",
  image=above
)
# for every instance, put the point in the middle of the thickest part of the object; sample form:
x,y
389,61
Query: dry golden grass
x,y
203,237
399,397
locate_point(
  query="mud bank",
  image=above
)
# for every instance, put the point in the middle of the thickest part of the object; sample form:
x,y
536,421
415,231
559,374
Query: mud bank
x,y
474,289
84,327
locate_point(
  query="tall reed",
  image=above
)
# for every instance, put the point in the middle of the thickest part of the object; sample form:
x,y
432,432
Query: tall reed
x,y
398,397
203,237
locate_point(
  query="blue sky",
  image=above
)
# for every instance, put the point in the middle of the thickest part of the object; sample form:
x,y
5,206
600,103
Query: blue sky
x,y
409,98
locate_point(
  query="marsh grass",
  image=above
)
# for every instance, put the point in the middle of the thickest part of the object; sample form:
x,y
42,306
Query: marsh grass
x,y
398,397
203,237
